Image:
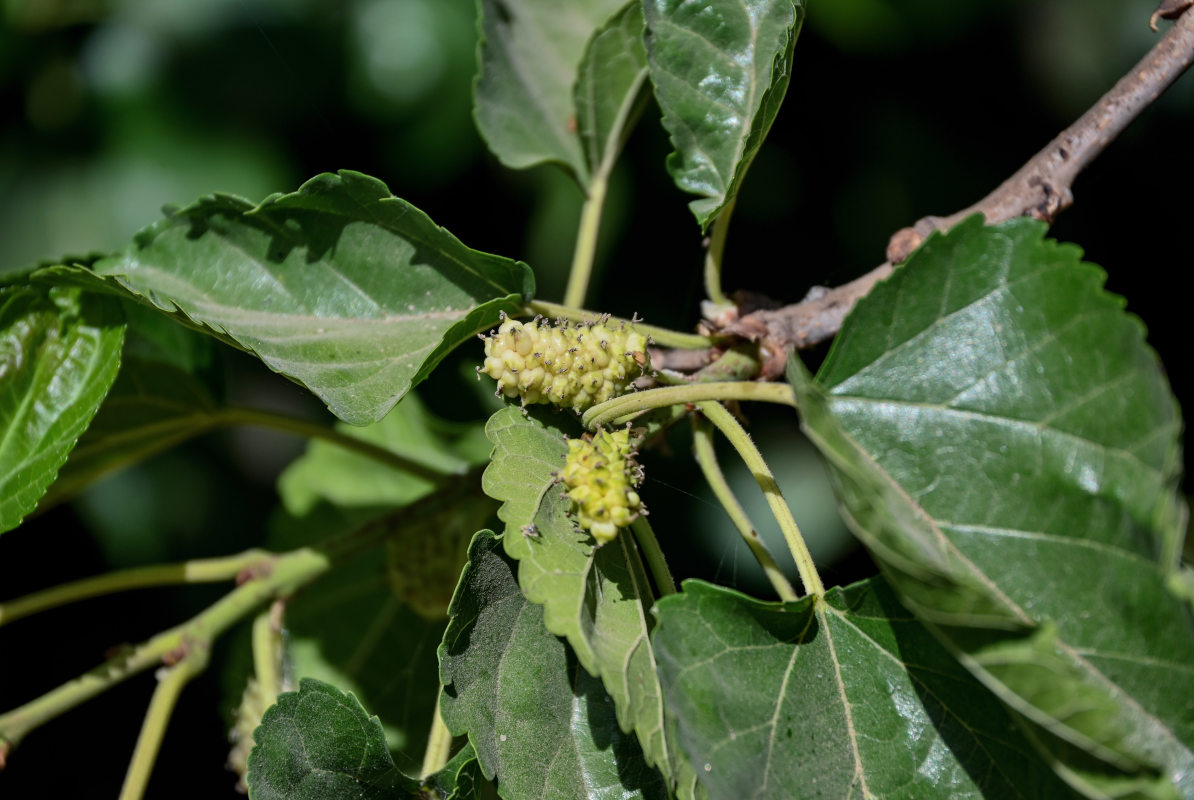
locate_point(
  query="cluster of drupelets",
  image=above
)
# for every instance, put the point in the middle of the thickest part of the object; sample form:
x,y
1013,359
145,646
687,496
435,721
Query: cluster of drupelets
x,y
600,476
573,365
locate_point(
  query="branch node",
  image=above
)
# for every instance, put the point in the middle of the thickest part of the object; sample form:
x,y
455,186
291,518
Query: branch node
x,y
1169,9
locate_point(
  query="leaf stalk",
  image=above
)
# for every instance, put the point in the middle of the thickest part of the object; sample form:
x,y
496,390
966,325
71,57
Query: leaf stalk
x,y
619,408
706,458
740,439
585,251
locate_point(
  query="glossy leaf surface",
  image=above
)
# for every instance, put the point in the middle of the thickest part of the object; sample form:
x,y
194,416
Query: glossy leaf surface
x,y
720,71
1006,444
340,286
541,726
529,56
849,698
598,598
59,355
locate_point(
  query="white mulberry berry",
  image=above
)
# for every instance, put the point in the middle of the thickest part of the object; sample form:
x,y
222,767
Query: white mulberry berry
x,y
571,365
600,476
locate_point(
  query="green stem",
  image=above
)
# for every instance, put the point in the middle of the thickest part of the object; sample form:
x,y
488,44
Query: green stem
x,y
713,256
706,457
661,336
741,441
614,410
287,573
278,576
300,427
170,685
439,744
203,570
645,536
267,656
586,242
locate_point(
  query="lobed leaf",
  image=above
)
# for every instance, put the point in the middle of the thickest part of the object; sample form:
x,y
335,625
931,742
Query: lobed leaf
x,y
720,70
59,355
340,286
845,697
528,59
541,726
596,597
1006,444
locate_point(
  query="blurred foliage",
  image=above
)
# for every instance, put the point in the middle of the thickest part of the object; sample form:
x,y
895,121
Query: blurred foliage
x,y
896,109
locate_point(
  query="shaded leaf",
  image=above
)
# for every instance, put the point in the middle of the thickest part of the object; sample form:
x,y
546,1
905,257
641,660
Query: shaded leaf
x,y
350,630
528,60
330,473
720,70
152,407
540,724
340,286
1006,444
460,779
611,88
849,697
59,354
320,744
596,597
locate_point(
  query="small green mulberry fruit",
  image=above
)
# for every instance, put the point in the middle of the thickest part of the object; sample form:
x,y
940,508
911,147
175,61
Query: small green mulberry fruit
x,y
600,476
573,365
248,717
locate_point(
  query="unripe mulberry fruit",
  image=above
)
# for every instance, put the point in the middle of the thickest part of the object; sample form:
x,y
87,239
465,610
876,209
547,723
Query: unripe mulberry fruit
x,y
248,717
573,365
600,476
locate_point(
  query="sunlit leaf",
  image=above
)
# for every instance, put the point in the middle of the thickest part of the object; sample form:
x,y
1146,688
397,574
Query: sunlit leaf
x,y
59,354
529,56
340,286
1006,444
851,697
720,70
596,597
541,726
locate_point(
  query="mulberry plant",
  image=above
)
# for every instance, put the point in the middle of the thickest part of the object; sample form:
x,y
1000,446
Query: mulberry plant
x,y
460,596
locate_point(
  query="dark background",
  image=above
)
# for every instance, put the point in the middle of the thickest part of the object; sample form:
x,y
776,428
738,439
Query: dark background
x,y
896,109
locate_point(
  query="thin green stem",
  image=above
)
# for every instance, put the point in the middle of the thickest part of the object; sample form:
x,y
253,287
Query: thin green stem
x,y
300,427
741,442
644,534
614,410
714,253
277,576
203,570
586,242
171,681
287,572
439,744
661,336
706,457
267,655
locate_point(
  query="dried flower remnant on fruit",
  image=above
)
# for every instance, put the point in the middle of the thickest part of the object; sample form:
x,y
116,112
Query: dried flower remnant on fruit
x,y
573,365
600,477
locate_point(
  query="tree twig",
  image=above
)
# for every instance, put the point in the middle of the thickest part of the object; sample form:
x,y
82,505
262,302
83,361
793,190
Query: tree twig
x,y
1041,188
